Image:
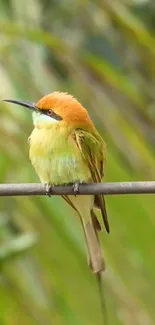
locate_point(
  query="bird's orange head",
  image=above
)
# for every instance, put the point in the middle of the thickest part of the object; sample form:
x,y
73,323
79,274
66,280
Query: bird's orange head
x,y
58,107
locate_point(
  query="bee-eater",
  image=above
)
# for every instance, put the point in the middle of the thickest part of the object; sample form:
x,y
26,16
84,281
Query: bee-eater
x,y
65,147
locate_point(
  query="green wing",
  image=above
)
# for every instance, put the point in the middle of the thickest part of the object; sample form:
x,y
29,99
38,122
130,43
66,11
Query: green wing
x,y
93,150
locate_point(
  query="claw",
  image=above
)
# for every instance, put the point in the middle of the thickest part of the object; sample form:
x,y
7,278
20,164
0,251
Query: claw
x,y
76,188
48,188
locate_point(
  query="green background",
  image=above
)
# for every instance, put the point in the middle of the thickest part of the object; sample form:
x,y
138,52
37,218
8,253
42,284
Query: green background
x,y
102,52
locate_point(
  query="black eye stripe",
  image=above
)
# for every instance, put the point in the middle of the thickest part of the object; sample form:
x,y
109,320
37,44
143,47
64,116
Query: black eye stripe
x,y
53,115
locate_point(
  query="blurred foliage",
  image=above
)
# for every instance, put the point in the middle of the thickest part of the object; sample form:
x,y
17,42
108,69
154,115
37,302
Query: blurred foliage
x,y
103,52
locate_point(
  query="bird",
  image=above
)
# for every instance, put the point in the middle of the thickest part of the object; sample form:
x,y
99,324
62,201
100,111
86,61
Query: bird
x,y
66,148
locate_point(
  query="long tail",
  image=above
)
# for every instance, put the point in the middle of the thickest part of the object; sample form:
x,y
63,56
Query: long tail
x,y
91,226
96,261
102,298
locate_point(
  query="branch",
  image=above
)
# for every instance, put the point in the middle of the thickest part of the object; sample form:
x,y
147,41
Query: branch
x,y
84,189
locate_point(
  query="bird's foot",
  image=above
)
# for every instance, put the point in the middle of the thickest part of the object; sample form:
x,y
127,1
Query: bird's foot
x,y
76,188
48,188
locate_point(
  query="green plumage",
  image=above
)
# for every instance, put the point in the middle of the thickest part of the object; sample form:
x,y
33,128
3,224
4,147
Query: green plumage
x,y
93,150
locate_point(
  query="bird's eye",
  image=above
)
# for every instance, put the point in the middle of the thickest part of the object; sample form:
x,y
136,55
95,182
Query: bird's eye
x,y
50,112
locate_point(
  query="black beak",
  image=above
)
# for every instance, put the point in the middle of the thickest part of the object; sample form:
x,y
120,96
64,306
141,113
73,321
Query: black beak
x,y
29,105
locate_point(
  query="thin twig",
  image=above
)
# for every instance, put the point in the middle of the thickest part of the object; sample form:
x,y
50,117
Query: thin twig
x,y
84,189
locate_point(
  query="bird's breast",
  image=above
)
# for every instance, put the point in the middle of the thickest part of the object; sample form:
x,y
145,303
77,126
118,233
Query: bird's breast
x,y
56,158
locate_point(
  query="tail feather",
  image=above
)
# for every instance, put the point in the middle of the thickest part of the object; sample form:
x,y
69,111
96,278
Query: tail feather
x,y
95,221
102,298
84,207
94,250
96,260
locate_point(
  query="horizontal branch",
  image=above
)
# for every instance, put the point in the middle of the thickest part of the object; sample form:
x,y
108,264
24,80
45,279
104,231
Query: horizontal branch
x,y
84,189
